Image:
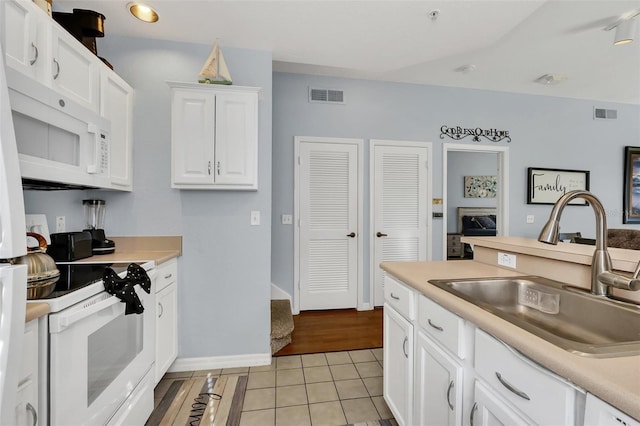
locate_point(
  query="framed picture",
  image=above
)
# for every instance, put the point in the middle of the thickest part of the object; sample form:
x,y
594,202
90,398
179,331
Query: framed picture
x,y
480,186
545,186
631,197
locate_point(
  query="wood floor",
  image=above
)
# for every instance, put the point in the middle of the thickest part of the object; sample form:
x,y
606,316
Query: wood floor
x,y
336,330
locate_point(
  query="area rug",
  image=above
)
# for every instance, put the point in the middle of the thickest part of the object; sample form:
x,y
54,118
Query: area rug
x,y
202,401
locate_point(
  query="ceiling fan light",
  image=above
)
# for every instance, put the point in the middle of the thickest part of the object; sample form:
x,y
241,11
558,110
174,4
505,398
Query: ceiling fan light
x,y
143,12
625,31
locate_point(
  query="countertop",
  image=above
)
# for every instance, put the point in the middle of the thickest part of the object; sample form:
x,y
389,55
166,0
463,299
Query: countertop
x,y
128,250
614,380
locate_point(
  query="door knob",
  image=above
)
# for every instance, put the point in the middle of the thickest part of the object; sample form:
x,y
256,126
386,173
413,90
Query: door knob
x,y
351,235
380,234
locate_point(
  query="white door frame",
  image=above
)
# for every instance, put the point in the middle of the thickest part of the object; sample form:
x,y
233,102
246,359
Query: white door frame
x,y
502,201
296,215
416,144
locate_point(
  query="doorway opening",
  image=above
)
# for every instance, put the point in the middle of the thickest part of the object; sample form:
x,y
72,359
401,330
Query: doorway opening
x,y
499,155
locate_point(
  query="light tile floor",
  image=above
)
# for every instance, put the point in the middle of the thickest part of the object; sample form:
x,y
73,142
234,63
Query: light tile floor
x,y
333,388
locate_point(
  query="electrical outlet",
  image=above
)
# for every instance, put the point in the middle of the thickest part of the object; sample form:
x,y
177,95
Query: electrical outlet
x,y
530,218
506,259
287,219
255,217
60,223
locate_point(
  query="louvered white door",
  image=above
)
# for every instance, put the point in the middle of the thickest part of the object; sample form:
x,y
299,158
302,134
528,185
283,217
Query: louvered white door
x,y
328,212
400,196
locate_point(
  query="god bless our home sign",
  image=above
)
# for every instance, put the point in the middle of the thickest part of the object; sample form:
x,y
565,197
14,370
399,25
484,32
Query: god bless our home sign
x,y
545,186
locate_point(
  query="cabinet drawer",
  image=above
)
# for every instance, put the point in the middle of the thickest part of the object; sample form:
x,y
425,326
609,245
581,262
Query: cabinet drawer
x,y
454,251
537,392
444,326
167,274
400,297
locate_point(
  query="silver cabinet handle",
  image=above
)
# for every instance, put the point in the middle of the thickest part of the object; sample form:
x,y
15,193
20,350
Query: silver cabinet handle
x,y
512,388
35,58
218,168
473,413
394,297
161,310
166,277
57,64
33,412
449,395
437,327
209,168
404,350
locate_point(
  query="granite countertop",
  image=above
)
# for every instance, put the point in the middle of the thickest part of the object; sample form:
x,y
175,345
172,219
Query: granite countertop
x,y
614,380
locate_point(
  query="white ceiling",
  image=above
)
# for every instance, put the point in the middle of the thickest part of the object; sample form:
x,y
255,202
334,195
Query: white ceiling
x,y
510,42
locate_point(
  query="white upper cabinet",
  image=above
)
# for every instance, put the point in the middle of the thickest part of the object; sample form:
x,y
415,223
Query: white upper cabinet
x,y
214,136
116,105
74,70
25,36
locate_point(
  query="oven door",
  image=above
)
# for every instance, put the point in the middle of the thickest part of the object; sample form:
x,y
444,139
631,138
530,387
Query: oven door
x,y
98,355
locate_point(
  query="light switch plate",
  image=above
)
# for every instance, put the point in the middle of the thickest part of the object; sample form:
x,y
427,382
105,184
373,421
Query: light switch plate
x,y
530,218
287,219
255,217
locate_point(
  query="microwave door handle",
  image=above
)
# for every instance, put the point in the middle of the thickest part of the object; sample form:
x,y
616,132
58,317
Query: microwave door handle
x,y
60,322
92,168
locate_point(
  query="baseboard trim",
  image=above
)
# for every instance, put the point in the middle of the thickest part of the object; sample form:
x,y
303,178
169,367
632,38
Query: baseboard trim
x,y
364,307
227,361
277,294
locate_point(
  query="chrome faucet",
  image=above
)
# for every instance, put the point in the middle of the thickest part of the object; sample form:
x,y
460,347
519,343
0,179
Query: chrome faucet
x,y
602,278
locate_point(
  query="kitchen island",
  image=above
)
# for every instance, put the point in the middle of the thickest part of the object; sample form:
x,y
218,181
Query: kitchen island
x,y
614,380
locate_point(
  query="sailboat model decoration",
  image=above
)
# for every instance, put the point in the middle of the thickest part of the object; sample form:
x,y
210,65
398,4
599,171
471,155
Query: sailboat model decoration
x,y
215,69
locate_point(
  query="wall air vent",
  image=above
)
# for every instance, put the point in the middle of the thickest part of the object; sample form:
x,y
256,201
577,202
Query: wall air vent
x,y
326,96
605,114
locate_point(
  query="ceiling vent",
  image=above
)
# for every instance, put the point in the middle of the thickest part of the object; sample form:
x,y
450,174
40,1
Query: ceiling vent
x,y
605,114
326,96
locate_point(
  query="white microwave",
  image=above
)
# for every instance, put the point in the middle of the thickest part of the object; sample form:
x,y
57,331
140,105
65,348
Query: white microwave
x,y
58,140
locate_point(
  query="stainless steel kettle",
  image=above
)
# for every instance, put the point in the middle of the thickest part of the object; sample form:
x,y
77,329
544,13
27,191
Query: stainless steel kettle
x,y
42,272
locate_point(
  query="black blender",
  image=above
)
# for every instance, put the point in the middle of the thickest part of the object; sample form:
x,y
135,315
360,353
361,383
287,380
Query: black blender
x,y
94,216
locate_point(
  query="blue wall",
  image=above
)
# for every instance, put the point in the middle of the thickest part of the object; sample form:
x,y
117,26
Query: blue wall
x,y
224,286
546,132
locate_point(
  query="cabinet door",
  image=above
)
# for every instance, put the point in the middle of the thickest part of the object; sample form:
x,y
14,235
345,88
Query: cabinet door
x,y
398,365
116,104
25,34
438,385
236,142
27,396
599,413
490,410
192,137
75,71
166,329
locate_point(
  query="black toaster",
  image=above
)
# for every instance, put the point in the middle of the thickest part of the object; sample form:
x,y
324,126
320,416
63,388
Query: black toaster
x,y
70,246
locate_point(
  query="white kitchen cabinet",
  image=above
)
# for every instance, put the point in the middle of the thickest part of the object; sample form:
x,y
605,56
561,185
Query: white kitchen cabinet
x,y
490,410
599,413
27,397
398,365
214,136
438,388
116,105
25,38
166,317
75,70
531,389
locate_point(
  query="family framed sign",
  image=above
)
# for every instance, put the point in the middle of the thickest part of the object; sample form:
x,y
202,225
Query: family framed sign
x,y
545,186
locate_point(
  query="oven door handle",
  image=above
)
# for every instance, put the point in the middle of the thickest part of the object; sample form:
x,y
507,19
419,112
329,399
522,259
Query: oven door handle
x,y
60,322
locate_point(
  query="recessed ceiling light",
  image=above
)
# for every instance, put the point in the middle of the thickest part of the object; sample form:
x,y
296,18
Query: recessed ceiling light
x,y
551,79
143,12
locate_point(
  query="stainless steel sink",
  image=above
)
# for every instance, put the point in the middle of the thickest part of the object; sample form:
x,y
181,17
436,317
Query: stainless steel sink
x,y
570,318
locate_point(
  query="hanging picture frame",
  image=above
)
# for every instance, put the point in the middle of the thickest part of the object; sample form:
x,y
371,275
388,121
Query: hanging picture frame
x,y
631,185
545,186
480,186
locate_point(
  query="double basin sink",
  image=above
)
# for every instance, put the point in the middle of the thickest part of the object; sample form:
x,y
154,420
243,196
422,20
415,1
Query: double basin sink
x,y
568,317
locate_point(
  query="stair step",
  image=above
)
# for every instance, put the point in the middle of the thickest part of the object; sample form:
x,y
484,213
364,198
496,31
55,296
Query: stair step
x,y
281,324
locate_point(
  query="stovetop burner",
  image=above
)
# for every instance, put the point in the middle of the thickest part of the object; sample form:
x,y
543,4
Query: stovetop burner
x,y
78,275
